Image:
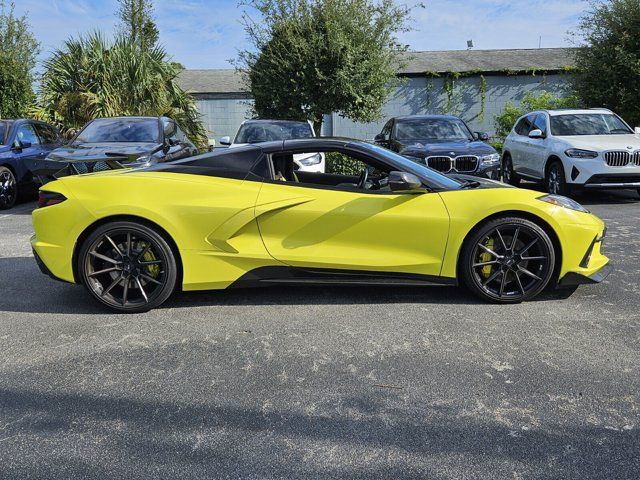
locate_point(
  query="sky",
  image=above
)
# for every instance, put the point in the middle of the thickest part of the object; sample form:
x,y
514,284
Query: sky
x,y
207,33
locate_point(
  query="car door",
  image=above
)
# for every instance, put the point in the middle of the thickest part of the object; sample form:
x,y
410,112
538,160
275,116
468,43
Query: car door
x,y
26,150
317,226
537,147
520,150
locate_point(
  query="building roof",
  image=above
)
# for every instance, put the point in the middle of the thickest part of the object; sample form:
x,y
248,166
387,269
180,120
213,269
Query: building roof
x,y
225,81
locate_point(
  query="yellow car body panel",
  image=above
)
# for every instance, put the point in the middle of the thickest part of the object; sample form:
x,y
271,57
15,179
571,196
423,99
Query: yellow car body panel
x,y
224,228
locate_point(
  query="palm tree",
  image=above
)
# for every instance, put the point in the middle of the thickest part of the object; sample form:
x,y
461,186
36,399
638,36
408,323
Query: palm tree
x,y
90,77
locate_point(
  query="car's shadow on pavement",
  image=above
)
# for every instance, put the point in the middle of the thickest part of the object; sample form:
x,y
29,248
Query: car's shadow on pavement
x,y
25,289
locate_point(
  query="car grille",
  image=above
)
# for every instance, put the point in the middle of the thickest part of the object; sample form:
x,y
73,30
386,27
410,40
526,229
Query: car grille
x,y
466,163
90,167
463,163
442,164
636,158
617,159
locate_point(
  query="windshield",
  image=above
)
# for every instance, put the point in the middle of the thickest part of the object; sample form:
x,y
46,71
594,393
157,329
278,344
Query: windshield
x,y
3,132
435,178
433,130
266,132
588,124
120,130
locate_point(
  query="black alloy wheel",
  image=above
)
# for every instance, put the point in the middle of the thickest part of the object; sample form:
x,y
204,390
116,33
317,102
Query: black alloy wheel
x,y
555,182
508,175
8,189
127,266
508,260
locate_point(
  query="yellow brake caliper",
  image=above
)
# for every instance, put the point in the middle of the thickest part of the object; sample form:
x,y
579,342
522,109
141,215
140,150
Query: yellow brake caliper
x,y
486,257
152,270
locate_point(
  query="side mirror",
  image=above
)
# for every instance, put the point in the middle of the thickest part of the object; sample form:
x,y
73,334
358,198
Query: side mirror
x,y
169,129
537,133
482,136
380,138
637,130
404,182
225,141
18,145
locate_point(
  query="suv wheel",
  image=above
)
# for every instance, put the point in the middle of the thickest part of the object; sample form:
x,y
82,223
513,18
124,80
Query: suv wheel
x,y
8,188
508,175
554,181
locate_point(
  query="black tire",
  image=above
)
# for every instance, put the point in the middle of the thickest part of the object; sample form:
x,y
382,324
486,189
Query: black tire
x,y
127,266
508,174
8,189
555,181
507,260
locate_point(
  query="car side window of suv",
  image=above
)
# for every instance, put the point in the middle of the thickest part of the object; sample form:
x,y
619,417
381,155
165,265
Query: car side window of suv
x,y
26,133
386,130
47,135
540,123
523,126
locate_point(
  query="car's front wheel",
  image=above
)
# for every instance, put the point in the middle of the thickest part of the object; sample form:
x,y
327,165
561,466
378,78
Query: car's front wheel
x,y
508,174
127,266
555,181
8,189
508,260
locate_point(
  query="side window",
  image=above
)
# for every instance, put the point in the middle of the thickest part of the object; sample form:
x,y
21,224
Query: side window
x,y
540,122
180,136
525,125
46,134
386,130
26,133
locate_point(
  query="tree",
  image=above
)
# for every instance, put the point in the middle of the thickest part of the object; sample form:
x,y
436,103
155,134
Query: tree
x,y
312,57
136,21
505,120
18,51
608,61
91,77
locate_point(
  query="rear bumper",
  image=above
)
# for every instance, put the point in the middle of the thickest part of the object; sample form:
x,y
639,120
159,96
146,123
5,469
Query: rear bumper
x,y
572,279
43,268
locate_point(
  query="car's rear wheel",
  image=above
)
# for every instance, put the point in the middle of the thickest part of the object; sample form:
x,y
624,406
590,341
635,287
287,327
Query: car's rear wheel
x,y
8,188
555,181
508,260
508,175
127,266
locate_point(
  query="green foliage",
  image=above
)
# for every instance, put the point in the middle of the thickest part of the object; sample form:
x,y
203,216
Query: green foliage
x,y
542,101
92,77
311,57
342,164
609,61
136,21
18,51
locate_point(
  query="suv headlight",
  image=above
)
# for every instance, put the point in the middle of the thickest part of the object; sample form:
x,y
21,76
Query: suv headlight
x,y
312,160
560,201
579,153
490,160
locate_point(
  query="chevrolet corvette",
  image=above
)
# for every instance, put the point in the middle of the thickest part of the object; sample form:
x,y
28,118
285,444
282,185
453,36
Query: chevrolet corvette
x,y
247,217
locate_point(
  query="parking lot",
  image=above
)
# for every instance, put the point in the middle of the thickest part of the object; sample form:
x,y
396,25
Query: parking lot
x,y
318,382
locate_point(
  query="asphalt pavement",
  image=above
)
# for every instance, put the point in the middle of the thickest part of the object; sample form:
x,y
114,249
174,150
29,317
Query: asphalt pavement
x,y
319,382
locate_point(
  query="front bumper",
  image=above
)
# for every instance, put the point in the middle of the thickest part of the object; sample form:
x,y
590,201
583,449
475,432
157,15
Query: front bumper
x,y
573,279
596,174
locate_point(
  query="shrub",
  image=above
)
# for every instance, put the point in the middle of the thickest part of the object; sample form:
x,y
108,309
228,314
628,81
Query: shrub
x,y
342,164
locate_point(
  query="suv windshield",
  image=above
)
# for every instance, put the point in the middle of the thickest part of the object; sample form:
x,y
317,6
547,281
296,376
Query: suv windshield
x,y
433,130
120,130
255,132
588,124
437,179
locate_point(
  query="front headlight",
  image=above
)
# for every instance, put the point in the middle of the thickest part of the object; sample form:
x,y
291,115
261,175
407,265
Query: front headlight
x,y
560,201
579,153
490,160
312,160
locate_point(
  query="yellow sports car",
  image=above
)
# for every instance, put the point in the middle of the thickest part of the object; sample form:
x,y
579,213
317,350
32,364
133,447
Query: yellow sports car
x,y
245,216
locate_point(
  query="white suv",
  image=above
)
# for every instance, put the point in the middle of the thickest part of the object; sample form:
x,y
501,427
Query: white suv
x,y
591,149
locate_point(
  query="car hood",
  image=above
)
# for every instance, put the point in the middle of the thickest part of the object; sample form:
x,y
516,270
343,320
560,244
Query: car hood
x,y
483,182
448,149
603,142
4,149
91,152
